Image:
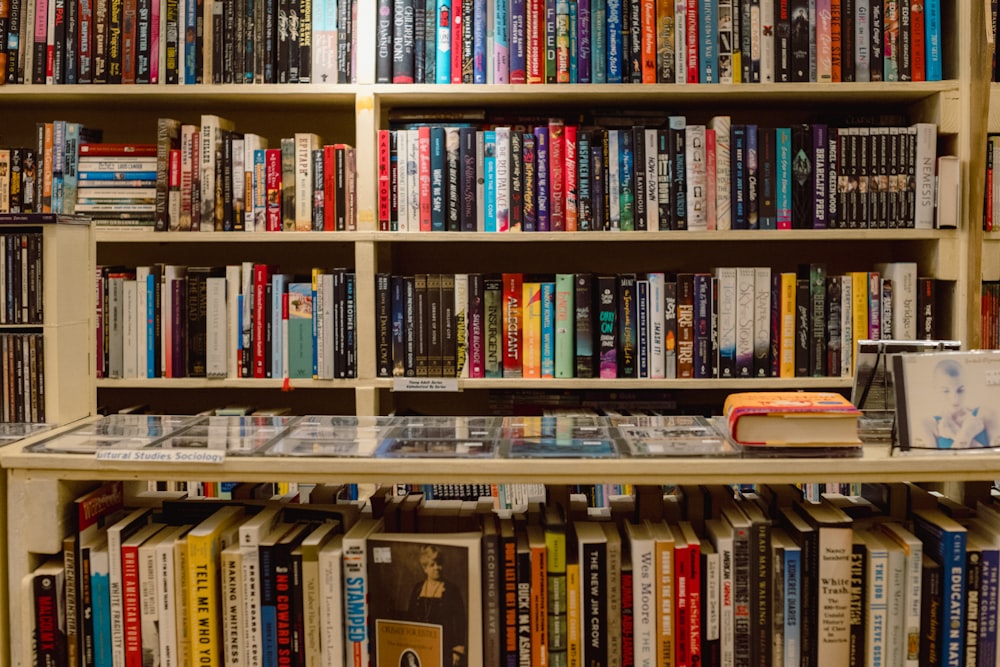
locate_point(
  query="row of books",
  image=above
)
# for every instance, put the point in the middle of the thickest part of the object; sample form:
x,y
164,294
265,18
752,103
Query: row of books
x,y
244,185
991,315
733,322
656,41
21,270
175,41
702,575
242,320
680,176
22,377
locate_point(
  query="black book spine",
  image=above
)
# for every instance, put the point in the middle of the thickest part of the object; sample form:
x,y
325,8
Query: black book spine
x,y
598,180
398,328
475,316
593,580
857,605
634,28
802,330
926,309
383,325
663,179
449,344
799,41
848,39
227,180
678,172
932,605
294,62
775,357
385,51
59,42
116,17
493,324
876,20
419,41
820,163
196,319
401,58
270,35
584,195
468,41
783,43
627,329
143,35
702,325
753,178
760,581
738,176
319,189
251,29
802,182
864,177
767,170
834,343
12,44
530,177
516,181
467,179
607,313
491,565
453,169
832,180
639,177
350,324
345,29
745,36
420,322
172,66
584,324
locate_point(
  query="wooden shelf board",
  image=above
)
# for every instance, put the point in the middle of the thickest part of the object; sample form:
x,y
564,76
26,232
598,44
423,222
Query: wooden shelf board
x,y
669,237
543,384
875,465
106,236
224,383
467,95
180,97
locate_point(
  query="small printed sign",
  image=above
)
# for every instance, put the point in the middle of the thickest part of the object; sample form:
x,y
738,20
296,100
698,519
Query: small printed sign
x,y
201,457
425,384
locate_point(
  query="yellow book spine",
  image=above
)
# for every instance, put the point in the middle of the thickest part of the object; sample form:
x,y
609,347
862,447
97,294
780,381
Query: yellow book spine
x,y
532,329
665,604
859,309
573,648
203,603
786,368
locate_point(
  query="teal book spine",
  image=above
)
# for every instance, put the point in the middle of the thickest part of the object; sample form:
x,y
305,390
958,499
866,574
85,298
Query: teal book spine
x,y
564,325
490,170
783,176
300,334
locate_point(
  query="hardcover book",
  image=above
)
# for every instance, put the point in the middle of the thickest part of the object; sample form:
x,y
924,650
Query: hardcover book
x,y
791,418
425,598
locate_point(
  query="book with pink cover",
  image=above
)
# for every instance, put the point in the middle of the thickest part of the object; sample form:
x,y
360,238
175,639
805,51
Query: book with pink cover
x,y
792,418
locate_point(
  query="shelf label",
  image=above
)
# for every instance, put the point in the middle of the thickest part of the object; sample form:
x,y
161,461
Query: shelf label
x,y
425,384
199,457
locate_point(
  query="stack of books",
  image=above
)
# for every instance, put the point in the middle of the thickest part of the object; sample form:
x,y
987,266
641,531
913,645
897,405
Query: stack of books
x,y
117,183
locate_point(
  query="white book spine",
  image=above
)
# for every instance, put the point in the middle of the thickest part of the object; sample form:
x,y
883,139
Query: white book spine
x,y
652,189
896,653
211,146
503,178
767,40
165,599
644,601
231,577
680,40
355,587
413,180
727,618
216,330
697,179
233,283
862,37
904,297
723,212
141,307
949,192
148,608
913,551
926,163
727,321
331,609
246,326
462,324
402,181
746,290
712,596
305,144
130,334
877,589
762,320
657,350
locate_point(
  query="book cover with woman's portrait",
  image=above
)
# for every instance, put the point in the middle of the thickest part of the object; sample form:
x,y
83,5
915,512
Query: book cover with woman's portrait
x,y
425,599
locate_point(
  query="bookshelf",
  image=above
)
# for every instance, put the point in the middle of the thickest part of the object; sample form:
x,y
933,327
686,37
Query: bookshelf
x,y
39,489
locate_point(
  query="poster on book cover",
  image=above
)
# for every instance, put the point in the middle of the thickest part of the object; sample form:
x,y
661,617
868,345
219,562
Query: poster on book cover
x,y
948,400
421,611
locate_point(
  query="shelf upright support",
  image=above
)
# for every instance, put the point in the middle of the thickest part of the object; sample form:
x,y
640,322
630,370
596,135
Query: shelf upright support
x,y
364,270
366,160
974,93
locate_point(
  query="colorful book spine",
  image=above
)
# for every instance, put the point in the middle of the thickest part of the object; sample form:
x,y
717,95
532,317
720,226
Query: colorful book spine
x,y
548,329
564,326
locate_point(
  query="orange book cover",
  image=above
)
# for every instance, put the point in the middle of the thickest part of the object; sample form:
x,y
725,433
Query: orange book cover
x,y
791,418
